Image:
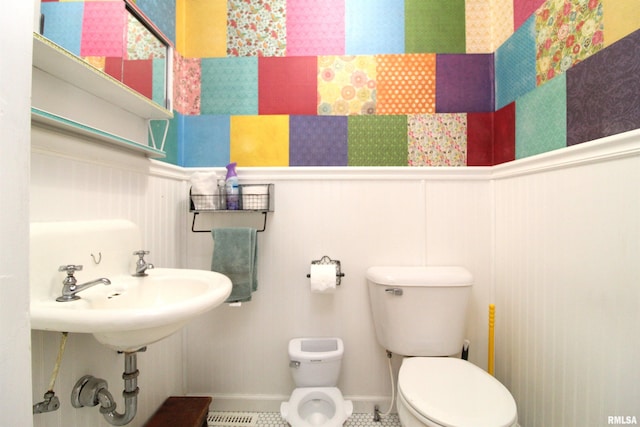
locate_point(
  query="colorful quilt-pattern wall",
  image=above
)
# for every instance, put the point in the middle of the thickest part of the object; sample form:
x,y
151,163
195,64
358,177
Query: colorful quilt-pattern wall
x,y
389,82
413,83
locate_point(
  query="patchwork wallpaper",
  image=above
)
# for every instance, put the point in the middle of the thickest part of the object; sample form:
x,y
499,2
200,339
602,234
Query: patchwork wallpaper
x,y
396,82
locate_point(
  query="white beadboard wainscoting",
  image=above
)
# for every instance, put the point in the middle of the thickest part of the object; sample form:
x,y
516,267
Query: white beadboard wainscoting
x,y
391,217
567,279
76,180
552,240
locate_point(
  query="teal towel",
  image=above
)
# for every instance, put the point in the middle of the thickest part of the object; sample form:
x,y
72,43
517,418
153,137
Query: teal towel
x,y
235,254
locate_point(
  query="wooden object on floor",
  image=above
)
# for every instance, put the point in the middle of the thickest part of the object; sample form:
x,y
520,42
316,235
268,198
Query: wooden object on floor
x,y
181,411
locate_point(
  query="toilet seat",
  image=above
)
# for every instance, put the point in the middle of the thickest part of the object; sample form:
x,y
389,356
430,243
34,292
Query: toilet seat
x,y
316,406
443,391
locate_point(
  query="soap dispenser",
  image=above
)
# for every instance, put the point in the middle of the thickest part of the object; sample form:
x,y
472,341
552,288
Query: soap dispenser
x,y
232,188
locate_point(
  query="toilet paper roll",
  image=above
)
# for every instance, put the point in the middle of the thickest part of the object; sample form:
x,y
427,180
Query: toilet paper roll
x,y
323,278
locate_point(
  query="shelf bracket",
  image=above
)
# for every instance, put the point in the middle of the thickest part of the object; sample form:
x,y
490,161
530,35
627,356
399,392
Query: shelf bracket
x,y
164,135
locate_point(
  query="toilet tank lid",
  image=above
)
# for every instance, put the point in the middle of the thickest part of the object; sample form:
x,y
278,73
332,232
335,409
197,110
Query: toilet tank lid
x,y
420,276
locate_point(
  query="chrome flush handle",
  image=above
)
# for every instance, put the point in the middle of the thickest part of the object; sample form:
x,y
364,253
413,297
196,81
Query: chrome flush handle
x,y
394,291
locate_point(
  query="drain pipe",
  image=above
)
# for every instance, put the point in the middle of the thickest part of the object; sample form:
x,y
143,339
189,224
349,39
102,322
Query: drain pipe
x,y
91,391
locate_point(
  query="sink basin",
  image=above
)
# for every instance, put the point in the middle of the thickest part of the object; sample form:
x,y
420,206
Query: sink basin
x,y
130,313
135,311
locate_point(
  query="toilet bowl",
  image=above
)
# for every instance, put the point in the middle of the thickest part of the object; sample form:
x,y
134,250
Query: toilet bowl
x,y
446,391
316,406
315,368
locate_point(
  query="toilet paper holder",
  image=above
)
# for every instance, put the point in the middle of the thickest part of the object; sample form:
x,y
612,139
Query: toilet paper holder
x,y
326,260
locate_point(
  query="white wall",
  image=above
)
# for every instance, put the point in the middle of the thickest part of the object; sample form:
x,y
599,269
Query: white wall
x,y
568,284
15,83
362,218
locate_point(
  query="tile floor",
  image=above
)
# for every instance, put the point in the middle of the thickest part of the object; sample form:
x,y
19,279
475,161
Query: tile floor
x,y
273,419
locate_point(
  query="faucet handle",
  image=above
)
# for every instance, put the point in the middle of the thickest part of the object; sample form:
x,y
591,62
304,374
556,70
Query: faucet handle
x,y
70,268
141,253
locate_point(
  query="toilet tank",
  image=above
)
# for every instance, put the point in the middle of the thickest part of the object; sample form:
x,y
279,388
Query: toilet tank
x,y
315,362
420,311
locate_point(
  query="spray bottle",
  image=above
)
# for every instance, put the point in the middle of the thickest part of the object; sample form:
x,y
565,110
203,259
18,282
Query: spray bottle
x,y
232,188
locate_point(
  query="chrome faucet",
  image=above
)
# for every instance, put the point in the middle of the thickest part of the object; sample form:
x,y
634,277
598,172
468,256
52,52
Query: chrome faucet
x,y
141,264
70,287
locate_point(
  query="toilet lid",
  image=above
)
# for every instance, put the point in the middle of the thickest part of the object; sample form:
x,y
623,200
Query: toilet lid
x,y
453,392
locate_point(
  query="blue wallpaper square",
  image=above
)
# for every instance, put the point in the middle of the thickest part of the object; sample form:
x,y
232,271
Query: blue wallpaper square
x,y
374,27
206,140
516,64
63,24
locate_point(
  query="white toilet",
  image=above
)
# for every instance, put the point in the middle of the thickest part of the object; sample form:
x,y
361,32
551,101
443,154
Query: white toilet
x,y
420,312
316,401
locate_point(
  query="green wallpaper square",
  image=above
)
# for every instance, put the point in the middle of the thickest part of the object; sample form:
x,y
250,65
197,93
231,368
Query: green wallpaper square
x,y
541,119
172,144
377,141
435,26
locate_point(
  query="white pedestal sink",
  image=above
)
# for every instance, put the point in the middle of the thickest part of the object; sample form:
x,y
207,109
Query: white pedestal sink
x,y
130,313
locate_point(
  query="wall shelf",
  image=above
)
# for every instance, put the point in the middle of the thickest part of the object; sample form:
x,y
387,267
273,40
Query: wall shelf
x,y
45,119
250,202
64,65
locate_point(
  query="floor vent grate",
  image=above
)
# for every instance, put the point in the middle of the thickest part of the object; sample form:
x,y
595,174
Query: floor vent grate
x,y
232,419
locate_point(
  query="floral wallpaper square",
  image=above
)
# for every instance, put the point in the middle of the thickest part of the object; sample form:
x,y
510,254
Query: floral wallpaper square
x,y
186,84
346,85
437,139
141,43
567,32
256,28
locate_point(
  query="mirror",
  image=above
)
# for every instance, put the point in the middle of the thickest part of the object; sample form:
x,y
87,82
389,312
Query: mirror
x,y
115,37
